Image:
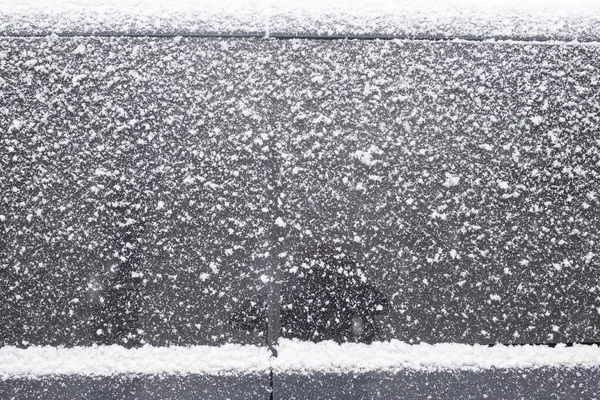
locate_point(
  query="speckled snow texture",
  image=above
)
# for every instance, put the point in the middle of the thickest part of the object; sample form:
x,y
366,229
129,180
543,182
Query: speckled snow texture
x,y
137,177
499,19
114,360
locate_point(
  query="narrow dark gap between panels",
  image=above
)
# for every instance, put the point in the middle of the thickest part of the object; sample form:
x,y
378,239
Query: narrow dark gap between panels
x,y
435,38
272,345
549,344
271,383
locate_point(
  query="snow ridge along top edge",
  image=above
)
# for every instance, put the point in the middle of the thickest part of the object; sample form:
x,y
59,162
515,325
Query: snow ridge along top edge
x,y
429,19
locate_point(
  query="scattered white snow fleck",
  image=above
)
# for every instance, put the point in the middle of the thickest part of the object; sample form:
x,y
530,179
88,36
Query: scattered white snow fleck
x,y
495,297
101,172
204,276
16,125
280,222
536,120
553,136
81,49
503,185
213,267
451,180
366,157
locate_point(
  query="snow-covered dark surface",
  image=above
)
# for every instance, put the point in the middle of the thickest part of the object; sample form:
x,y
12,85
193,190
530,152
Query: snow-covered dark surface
x,y
150,187
542,383
138,387
499,19
133,192
462,177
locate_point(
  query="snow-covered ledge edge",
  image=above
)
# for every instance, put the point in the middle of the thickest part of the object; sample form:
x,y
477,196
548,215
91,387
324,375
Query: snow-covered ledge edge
x,y
37,362
302,357
564,20
294,357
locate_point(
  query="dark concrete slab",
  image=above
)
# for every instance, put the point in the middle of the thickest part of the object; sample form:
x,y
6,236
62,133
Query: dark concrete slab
x,y
543,383
137,387
141,180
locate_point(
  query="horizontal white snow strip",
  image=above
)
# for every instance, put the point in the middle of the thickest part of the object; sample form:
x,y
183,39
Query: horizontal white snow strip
x,y
113,360
294,357
513,19
302,357
516,19
131,16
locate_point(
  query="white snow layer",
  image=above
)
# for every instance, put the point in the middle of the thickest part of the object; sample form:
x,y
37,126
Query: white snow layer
x,y
294,357
494,19
112,360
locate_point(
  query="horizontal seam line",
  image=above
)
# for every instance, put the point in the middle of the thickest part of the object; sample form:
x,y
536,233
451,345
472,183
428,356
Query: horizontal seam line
x,y
276,36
